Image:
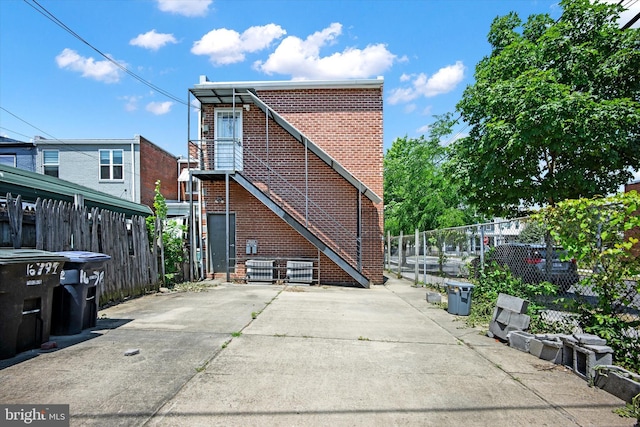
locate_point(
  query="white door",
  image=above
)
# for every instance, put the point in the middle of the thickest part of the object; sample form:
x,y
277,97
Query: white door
x,y
228,144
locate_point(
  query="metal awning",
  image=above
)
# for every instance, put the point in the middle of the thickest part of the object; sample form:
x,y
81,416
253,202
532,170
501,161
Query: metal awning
x,y
31,185
225,94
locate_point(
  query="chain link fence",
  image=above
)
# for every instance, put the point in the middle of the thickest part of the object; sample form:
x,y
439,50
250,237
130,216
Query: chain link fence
x,y
461,253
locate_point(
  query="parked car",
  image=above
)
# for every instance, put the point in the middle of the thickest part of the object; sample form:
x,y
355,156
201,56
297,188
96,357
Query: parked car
x,y
529,263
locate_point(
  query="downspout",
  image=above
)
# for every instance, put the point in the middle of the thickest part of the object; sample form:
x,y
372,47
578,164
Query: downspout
x,y
226,197
306,183
191,221
133,170
359,230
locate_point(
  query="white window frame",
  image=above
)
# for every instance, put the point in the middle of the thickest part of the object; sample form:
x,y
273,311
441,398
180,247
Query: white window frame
x,y
56,164
9,156
221,143
111,165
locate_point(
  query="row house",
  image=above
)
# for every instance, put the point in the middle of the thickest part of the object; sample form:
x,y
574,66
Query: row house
x,y
124,168
291,180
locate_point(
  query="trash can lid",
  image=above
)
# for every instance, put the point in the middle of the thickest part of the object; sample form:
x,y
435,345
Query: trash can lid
x,y
84,256
17,256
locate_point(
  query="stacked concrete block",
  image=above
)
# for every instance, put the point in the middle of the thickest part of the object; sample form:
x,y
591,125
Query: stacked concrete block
x,y
520,340
583,352
547,347
508,316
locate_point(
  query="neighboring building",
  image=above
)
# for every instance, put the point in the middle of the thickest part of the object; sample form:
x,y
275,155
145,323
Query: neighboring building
x,y
296,167
125,168
17,154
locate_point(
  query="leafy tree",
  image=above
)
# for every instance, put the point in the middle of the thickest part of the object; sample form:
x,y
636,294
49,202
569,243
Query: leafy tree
x,y
418,194
554,111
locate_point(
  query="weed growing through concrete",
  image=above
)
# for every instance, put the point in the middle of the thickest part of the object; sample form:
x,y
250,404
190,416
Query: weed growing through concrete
x,y
236,334
254,314
361,338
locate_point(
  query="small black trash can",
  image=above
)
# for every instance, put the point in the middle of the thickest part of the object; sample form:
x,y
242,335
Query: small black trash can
x,y
27,280
75,302
459,297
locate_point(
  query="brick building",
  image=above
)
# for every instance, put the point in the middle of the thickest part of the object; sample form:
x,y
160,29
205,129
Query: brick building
x,y
291,172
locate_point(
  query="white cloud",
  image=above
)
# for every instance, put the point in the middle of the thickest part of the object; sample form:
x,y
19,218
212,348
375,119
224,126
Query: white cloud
x,y
410,108
159,108
152,40
443,81
423,129
224,46
302,60
103,71
131,102
185,7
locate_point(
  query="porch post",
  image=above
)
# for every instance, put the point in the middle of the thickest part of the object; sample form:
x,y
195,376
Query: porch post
x,y
226,225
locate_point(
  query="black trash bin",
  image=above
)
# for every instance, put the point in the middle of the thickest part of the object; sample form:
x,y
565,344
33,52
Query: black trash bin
x,y
75,302
27,280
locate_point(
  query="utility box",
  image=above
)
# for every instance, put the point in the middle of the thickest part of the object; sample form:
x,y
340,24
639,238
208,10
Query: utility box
x,y
459,297
76,300
260,270
27,280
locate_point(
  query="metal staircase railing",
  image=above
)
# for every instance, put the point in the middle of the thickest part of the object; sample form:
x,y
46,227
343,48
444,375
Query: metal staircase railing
x,y
297,203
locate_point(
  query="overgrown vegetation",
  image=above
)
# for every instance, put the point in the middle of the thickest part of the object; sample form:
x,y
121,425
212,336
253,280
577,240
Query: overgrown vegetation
x,y
497,279
602,234
172,237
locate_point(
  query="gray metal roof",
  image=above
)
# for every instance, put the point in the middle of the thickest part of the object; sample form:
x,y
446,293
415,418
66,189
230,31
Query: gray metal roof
x,y
245,93
31,185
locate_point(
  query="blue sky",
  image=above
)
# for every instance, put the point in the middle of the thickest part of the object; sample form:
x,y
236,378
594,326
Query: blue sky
x,y
55,85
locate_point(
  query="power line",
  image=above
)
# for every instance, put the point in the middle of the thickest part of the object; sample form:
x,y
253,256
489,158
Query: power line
x,y
64,143
43,11
13,131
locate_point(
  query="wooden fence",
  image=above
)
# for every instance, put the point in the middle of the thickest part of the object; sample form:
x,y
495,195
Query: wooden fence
x,y
53,225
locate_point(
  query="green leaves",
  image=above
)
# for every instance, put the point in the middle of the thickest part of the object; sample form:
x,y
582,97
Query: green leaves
x,y
554,111
417,191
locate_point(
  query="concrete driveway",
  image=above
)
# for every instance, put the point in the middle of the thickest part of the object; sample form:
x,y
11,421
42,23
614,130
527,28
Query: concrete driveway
x,y
256,355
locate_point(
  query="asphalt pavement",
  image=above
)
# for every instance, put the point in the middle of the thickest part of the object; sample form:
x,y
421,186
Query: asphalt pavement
x,y
274,355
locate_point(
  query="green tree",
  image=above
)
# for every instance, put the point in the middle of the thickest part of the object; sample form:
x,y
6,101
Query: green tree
x,y
554,110
172,235
416,191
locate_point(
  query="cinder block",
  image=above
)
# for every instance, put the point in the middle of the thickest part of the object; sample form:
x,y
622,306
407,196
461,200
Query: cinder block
x,y
434,297
502,316
512,303
520,340
590,339
550,350
583,360
519,321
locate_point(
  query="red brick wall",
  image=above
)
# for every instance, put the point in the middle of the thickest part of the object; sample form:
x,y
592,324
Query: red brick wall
x,y
157,164
635,232
347,124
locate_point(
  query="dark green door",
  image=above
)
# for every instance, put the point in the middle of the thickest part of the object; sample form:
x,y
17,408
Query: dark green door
x,y
217,238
